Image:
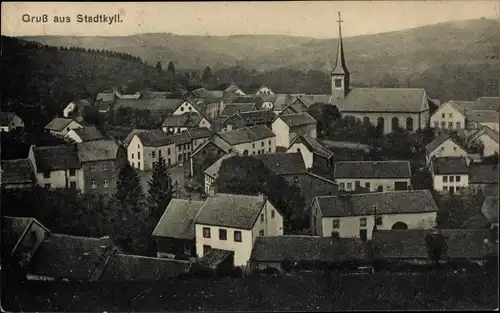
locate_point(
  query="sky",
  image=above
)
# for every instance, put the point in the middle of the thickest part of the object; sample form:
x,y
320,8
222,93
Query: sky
x,y
298,18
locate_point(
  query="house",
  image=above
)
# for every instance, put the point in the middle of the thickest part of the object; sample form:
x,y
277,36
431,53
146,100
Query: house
x,y
249,140
100,161
199,136
477,119
373,175
21,237
105,97
156,105
487,137
17,173
287,126
130,136
232,222
134,96
137,268
61,126
281,101
146,146
174,233
483,177
75,108
290,166
355,215
451,115
252,118
312,151
449,174
212,172
443,146
231,109
306,252
10,121
189,106
86,133
394,247
487,104
490,211
57,166
183,147
264,90
233,91
179,123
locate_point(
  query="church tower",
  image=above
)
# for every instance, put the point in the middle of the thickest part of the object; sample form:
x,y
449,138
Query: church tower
x,y
340,74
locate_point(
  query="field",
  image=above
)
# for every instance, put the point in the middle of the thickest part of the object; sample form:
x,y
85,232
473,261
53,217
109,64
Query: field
x,y
306,291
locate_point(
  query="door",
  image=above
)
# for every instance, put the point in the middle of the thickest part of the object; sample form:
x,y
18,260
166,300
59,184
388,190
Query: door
x,y
380,188
363,234
400,185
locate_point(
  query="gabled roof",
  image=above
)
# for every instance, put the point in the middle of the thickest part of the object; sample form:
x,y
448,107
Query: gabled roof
x,y
178,219
283,163
309,100
461,106
251,118
199,133
488,104
493,134
449,165
390,202
203,93
213,170
482,117
307,248
180,138
123,267
191,119
439,140
490,209
58,124
214,257
88,133
483,173
155,138
281,101
53,158
231,210
168,105
372,169
98,150
297,119
384,100
130,135
233,108
6,118
246,134
313,145
19,171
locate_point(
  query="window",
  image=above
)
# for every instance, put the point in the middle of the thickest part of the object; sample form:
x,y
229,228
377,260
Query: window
x,y
269,142
452,179
409,124
262,144
338,83
153,154
378,220
457,179
168,151
454,148
380,188
138,164
458,124
336,223
367,185
298,150
262,218
182,109
93,184
72,185
253,145
132,155
92,168
445,188
47,186
138,146
362,222
357,184
436,124
452,189
442,115
138,155
342,186
46,174
295,179
105,183
104,167
445,179
159,153
261,232
206,249
272,213
443,124
189,108
269,150
237,236
222,234
206,232
349,186
450,124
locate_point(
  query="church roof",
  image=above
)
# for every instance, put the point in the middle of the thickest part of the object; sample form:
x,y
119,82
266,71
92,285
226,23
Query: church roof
x,y
385,100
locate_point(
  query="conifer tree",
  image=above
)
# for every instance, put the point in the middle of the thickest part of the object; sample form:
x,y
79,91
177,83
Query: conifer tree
x,y
171,69
129,190
160,188
158,66
207,75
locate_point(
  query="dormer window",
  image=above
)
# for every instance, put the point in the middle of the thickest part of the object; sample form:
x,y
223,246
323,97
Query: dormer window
x,y
338,83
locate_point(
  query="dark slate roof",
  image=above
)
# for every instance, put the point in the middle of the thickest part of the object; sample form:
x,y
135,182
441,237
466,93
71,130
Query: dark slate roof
x,y
283,163
246,134
155,138
461,106
431,146
149,104
58,124
488,104
68,256
89,133
231,109
490,209
199,133
122,267
6,118
214,257
98,150
449,165
251,118
205,94
410,244
313,145
390,202
493,134
483,173
297,119
372,169
384,100
52,158
281,101
13,229
19,171
130,135
180,138
231,210
245,99
482,117
307,248
184,120
213,170
178,219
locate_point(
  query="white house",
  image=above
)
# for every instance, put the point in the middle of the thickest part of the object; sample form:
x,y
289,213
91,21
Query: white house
x,y
179,123
444,146
288,126
190,106
449,174
373,175
488,137
146,147
86,133
61,126
264,90
312,151
10,121
232,222
57,166
451,115
355,215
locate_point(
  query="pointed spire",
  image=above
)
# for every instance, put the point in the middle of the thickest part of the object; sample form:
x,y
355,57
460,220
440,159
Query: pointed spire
x,y
340,67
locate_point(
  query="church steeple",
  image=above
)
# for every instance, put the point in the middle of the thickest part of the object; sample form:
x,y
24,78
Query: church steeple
x,y
340,74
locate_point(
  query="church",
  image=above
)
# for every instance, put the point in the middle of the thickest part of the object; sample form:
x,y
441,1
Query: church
x,y
387,108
